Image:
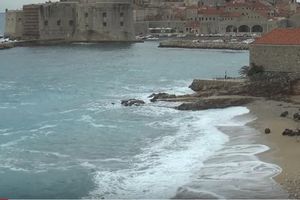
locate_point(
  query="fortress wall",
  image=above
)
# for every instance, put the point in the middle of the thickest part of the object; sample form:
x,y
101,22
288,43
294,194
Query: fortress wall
x,y
58,21
14,24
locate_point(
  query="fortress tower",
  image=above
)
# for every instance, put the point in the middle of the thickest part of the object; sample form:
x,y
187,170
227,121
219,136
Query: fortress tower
x,y
73,20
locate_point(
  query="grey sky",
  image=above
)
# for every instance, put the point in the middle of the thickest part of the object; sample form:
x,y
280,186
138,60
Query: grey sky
x,y
16,4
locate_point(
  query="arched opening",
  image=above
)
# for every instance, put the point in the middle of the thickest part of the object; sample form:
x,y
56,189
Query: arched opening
x,y
257,29
230,29
244,29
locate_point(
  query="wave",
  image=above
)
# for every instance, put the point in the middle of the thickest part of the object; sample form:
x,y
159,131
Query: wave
x,y
91,121
168,161
235,171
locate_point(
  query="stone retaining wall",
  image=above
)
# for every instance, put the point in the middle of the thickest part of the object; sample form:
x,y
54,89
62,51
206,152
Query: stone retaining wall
x,y
203,45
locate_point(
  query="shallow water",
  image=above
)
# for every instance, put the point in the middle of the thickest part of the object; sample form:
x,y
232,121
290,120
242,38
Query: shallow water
x,y
63,133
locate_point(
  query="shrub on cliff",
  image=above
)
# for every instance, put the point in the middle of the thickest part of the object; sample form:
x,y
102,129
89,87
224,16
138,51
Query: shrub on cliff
x,y
251,70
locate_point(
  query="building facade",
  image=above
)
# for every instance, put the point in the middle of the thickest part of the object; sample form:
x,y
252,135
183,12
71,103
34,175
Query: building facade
x,y
73,20
216,16
277,51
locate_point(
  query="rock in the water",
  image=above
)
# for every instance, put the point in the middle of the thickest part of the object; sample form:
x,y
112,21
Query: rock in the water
x,y
284,114
132,102
158,96
267,131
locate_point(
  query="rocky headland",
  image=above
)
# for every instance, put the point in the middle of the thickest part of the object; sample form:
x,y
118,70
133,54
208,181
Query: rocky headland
x,y
274,98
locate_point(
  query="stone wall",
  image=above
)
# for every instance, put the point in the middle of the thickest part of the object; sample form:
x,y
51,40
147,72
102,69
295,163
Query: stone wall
x,y
81,20
105,22
31,20
276,58
14,24
57,21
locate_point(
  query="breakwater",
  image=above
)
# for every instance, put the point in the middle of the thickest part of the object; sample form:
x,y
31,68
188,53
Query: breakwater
x,y
203,45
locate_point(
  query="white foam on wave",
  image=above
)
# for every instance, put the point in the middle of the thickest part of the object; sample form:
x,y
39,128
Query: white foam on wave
x,y
235,171
101,106
142,92
168,161
91,121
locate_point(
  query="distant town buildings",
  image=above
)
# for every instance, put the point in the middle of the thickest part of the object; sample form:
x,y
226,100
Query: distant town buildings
x,y
215,16
73,20
121,20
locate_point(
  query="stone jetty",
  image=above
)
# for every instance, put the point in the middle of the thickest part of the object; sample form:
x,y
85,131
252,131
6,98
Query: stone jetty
x,y
198,44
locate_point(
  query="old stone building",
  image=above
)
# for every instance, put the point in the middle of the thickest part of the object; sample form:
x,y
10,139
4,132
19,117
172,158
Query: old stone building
x,y
73,20
14,24
211,17
277,51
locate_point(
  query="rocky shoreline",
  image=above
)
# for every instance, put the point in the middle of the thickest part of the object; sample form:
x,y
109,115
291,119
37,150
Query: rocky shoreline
x,y
197,44
223,93
6,45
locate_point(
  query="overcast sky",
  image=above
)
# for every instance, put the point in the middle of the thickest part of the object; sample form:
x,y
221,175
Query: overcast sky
x,y
16,4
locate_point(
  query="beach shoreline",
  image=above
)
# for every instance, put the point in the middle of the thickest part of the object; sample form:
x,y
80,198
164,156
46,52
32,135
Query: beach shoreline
x,y
284,150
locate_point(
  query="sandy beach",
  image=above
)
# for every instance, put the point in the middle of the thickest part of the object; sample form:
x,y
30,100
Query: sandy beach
x,y
285,150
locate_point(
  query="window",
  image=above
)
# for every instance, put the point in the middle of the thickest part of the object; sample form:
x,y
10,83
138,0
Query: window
x,y
121,14
121,23
46,22
104,14
71,22
104,24
86,15
58,22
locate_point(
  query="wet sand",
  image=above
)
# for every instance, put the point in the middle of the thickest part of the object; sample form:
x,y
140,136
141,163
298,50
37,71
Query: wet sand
x,y
285,150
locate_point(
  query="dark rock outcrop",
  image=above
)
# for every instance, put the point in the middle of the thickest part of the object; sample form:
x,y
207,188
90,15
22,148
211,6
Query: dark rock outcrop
x,y
289,132
213,103
274,85
160,96
132,102
296,116
8,45
219,87
284,114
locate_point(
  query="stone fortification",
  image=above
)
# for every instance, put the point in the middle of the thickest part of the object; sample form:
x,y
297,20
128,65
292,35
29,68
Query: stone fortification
x,y
73,20
278,58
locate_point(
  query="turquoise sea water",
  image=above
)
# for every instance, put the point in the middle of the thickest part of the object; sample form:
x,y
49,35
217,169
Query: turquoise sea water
x,y
64,134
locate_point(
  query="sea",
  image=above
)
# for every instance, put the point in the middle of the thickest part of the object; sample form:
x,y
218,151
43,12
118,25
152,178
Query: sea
x,y
64,133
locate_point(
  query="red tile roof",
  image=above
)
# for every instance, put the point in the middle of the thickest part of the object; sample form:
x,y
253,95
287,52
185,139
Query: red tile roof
x,y
281,36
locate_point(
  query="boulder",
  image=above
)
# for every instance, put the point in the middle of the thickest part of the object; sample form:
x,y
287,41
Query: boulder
x,y
267,131
296,116
132,102
289,132
284,114
154,97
